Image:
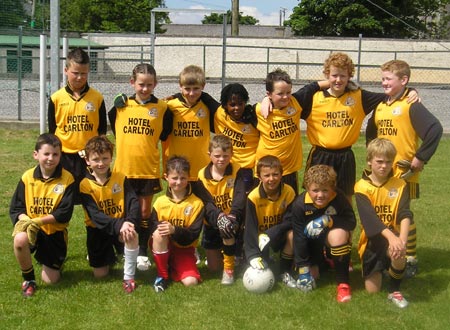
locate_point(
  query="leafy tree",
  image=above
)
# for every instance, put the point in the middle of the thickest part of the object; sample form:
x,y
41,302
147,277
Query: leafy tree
x,y
215,18
374,18
12,14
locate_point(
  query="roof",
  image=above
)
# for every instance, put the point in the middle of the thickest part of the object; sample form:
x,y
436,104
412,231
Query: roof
x,y
34,42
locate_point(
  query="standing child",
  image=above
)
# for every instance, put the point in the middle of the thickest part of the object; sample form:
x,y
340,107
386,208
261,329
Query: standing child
x,y
224,180
112,213
40,211
137,123
322,216
404,124
76,113
266,205
176,223
383,206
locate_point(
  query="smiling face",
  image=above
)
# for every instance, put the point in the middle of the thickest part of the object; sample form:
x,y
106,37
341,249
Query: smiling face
x,y
338,79
281,94
99,163
191,93
48,157
321,194
144,85
270,178
235,107
177,181
392,84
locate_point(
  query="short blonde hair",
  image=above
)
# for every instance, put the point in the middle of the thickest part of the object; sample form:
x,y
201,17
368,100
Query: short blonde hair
x,y
192,75
322,175
220,141
341,61
381,147
270,162
398,67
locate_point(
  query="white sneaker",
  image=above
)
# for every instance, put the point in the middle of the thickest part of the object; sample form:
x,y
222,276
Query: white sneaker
x,y
397,298
227,277
143,263
288,280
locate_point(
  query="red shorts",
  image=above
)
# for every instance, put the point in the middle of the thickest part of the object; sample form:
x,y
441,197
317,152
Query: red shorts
x,y
182,263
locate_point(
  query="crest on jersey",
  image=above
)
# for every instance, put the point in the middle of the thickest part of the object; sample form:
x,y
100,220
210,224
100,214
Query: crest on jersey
x,y
350,101
188,210
246,129
201,113
230,182
397,111
153,112
290,111
330,210
59,189
116,188
393,193
89,107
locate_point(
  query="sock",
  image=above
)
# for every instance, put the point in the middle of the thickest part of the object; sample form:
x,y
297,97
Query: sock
x,y
28,274
144,236
411,244
129,267
341,258
228,256
162,263
396,276
286,263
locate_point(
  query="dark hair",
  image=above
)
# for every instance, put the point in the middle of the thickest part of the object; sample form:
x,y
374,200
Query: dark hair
x,y
143,68
99,144
277,75
78,56
47,138
178,164
233,89
268,161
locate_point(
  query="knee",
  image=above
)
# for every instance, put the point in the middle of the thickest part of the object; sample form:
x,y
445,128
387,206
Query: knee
x,y
21,241
189,281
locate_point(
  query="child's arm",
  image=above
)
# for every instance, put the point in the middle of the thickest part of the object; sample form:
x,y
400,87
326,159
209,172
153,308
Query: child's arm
x,y
212,106
369,219
103,125
112,114
51,117
239,197
251,232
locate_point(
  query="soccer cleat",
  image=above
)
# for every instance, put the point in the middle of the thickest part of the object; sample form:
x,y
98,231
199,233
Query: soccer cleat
x,y
288,280
411,267
227,277
143,263
344,293
397,298
129,286
28,288
198,258
160,284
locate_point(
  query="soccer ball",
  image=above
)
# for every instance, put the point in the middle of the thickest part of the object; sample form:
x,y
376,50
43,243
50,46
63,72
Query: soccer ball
x,y
258,280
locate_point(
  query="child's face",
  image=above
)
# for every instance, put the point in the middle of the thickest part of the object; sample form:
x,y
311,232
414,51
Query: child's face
x,y
177,181
281,94
77,75
143,85
392,84
219,158
381,166
99,163
235,107
270,179
321,195
48,157
338,79
191,93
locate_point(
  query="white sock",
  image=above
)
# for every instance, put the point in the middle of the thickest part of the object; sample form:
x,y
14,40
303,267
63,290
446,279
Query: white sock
x,y
129,267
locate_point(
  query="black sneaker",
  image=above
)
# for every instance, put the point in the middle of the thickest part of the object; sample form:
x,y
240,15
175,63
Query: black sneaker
x,y
28,288
160,284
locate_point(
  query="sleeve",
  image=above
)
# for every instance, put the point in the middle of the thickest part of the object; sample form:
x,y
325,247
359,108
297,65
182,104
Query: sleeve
x,y
370,100
212,106
51,117
64,210
187,235
112,119
345,218
167,125
404,210
251,232
18,205
133,210
428,128
239,197
371,129
304,96
102,125
211,210
294,215
153,223
369,219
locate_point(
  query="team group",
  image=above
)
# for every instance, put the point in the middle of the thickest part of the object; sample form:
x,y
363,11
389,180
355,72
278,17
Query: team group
x,y
236,190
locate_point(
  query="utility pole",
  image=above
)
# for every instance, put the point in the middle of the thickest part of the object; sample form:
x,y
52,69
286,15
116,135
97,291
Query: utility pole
x,y
235,17
282,15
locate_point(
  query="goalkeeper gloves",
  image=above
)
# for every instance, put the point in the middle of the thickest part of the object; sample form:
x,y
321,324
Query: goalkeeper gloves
x,y
305,282
258,263
21,225
405,166
227,225
120,100
263,240
315,227
33,230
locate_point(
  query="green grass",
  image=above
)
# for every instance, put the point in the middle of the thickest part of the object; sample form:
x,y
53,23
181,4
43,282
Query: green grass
x,y
80,302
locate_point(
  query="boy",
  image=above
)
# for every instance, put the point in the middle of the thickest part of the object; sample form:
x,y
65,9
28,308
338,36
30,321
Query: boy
x,y
383,206
404,124
322,216
76,113
138,125
112,213
224,180
40,211
266,205
176,223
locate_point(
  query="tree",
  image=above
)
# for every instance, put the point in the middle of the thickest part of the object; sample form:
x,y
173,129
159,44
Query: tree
x,y
372,18
12,14
218,19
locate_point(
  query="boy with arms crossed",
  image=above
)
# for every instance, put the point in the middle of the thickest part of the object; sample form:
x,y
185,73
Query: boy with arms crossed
x,y
40,211
383,206
112,213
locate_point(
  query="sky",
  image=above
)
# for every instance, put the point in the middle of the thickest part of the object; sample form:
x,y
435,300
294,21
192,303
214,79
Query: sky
x,y
268,12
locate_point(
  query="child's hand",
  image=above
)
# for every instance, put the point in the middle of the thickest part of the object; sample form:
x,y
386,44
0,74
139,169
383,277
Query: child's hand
x,y
397,248
413,96
266,107
165,228
120,100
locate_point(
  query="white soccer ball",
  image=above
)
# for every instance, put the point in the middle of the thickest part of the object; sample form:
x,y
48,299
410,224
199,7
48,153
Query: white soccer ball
x,y
258,280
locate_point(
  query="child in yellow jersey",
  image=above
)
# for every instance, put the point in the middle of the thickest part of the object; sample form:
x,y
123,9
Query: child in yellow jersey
x,y
383,206
176,223
76,113
138,124
111,213
40,211
264,228
224,180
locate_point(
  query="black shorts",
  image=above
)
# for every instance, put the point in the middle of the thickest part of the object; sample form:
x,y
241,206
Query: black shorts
x,y
100,247
375,258
342,161
145,187
51,250
75,165
211,239
250,181
291,180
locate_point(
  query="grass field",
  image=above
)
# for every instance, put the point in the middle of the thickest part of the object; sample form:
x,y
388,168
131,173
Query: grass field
x,y
80,302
